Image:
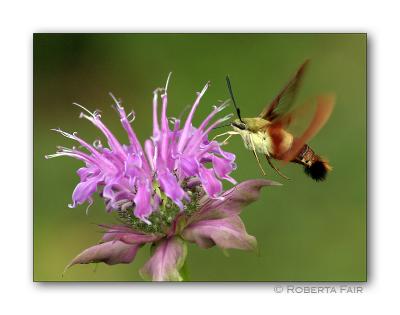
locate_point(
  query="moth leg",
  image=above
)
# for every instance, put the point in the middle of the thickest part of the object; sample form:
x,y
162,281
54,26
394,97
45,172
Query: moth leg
x,y
255,154
276,169
224,134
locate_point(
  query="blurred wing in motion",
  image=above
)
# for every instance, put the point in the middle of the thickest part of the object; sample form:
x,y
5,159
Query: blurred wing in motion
x,y
325,104
285,99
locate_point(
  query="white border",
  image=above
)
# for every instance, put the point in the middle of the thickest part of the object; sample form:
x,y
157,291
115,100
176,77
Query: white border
x,y
19,20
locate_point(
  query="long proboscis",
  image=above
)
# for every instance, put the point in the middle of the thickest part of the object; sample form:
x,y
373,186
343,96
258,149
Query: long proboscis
x,y
228,81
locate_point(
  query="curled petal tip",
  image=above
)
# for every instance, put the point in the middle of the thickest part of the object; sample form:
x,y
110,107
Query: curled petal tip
x,y
206,86
260,182
273,183
111,253
224,105
228,232
166,84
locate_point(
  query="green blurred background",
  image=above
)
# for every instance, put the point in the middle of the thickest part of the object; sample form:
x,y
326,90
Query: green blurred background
x,y
306,231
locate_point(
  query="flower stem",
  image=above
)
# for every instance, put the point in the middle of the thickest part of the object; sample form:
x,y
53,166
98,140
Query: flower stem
x,y
184,272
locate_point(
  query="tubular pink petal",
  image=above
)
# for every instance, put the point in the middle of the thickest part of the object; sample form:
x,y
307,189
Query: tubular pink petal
x,y
201,136
156,127
189,166
213,147
188,123
128,128
211,184
75,154
223,167
165,132
86,145
85,172
142,200
112,141
84,190
133,165
212,114
171,187
218,122
116,189
173,153
148,146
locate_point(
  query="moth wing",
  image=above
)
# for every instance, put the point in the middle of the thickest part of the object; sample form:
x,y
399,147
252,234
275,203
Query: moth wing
x,y
325,105
285,99
322,109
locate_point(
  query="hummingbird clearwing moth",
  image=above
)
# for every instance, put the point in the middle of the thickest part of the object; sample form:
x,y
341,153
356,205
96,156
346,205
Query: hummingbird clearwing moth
x,y
268,133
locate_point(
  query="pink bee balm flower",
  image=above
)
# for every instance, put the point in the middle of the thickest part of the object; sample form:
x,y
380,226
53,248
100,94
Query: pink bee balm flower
x,y
165,193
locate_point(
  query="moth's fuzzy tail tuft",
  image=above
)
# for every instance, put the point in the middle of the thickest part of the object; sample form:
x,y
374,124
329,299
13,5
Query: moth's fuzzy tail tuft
x,y
318,170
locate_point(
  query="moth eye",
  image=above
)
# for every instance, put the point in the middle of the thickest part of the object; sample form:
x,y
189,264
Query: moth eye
x,y
239,125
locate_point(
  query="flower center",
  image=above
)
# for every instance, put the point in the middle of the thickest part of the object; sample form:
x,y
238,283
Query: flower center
x,y
164,216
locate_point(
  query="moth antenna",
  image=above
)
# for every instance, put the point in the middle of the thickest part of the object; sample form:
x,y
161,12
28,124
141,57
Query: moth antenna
x,y
233,98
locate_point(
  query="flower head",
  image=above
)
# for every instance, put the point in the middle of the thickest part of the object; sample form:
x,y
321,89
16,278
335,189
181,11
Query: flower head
x,y
165,193
162,173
